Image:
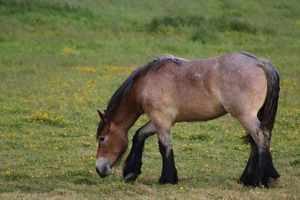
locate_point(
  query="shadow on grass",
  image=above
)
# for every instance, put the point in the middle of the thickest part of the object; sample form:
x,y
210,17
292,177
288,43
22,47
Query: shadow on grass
x,y
25,183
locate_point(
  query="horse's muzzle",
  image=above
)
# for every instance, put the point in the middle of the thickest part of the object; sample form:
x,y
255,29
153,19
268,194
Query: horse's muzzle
x,y
103,167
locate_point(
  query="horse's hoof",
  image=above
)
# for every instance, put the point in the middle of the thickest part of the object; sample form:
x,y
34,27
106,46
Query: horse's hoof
x,y
168,182
130,177
173,180
249,180
270,182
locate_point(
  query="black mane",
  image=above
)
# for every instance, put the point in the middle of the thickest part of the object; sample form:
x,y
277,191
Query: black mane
x,y
248,54
125,88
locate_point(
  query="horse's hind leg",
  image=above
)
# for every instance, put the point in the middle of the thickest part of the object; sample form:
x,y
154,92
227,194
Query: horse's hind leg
x,y
260,168
250,175
133,163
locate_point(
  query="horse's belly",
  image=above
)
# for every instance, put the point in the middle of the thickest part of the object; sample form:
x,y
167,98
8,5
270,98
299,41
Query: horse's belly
x,y
200,112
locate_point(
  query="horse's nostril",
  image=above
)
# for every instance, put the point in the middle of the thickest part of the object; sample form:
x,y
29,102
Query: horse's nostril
x,y
97,170
103,174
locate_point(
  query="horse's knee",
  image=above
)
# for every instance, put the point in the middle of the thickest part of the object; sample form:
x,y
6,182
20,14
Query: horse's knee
x,y
144,132
165,144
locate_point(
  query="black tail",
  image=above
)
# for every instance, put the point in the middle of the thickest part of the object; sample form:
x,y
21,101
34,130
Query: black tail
x,y
267,113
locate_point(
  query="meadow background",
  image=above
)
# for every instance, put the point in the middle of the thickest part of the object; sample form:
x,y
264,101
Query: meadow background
x,y
60,60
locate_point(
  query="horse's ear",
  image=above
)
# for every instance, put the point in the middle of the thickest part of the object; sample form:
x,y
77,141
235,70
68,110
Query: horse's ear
x,y
101,115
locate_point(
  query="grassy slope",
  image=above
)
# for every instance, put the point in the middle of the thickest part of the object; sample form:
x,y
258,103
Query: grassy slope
x,y
60,60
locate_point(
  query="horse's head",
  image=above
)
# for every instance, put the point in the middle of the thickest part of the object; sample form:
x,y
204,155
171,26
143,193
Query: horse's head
x,y
112,144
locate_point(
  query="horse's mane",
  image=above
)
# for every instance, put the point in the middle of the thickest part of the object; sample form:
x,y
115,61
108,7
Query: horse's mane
x,y
125,88
248,54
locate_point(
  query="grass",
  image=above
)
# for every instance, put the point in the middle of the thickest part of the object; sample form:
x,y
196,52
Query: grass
x,y
62,60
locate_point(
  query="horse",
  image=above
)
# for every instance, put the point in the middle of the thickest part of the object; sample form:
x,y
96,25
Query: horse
x,y
170,89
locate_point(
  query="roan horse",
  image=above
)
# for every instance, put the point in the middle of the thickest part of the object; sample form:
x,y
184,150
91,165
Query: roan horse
x,y
170,90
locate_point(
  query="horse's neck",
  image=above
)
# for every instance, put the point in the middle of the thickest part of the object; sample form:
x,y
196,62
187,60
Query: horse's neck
x,y
126,115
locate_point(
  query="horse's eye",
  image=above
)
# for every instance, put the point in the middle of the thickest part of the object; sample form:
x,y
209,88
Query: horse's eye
x,y
101,138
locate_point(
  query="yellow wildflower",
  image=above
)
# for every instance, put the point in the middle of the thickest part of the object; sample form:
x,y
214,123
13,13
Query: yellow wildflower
x,y
68,51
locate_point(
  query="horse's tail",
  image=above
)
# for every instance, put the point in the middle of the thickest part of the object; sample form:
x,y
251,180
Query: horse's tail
x,y
267,112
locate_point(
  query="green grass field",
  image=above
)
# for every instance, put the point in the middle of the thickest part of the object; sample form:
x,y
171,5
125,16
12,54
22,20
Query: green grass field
x,y
62,60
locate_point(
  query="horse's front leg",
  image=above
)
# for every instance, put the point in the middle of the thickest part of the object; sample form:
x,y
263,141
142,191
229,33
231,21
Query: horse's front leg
x,y
169,172
133,163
